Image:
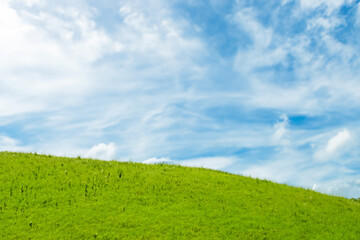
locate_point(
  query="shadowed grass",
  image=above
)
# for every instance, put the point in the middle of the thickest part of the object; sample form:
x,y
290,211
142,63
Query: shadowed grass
x,y
46,197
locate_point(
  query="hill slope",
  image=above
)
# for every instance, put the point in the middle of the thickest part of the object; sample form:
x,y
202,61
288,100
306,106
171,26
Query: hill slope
x,y
46,197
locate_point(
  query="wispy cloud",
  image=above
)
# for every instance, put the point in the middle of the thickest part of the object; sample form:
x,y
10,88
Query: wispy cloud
x,y
334,146
279,135
331,5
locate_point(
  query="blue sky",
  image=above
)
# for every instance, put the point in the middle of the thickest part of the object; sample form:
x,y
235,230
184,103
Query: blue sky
x,y
267,89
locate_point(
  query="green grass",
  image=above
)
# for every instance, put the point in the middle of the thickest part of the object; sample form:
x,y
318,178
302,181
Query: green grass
x,y
46,197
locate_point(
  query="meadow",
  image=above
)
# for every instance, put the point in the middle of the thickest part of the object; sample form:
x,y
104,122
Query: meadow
x,y
47,197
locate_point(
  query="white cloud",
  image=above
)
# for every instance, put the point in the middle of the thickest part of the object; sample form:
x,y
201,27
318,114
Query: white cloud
x,y
6,141
158,160
102,151
260,54
284,167
246,19
358,14
31,3
11,144
50,53
330,4
279,135
216,163
39,71
327,23
338,141
344,186
157,36
314,70
292,167
335,146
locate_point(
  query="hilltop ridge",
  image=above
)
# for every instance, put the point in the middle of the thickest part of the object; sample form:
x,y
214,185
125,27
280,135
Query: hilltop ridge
x,y
47,197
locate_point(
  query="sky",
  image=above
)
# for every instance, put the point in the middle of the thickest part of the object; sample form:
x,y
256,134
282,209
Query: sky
x,y
267,89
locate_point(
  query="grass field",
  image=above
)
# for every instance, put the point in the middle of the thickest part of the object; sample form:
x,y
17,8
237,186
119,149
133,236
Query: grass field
x,y
46,197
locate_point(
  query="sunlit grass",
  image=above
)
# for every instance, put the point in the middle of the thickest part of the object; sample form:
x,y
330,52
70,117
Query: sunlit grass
x,y
46,197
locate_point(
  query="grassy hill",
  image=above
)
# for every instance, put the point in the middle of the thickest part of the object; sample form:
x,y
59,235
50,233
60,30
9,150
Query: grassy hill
x,y
46,197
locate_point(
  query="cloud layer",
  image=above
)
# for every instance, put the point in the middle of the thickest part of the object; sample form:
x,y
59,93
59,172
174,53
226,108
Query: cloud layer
x,y
269,89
